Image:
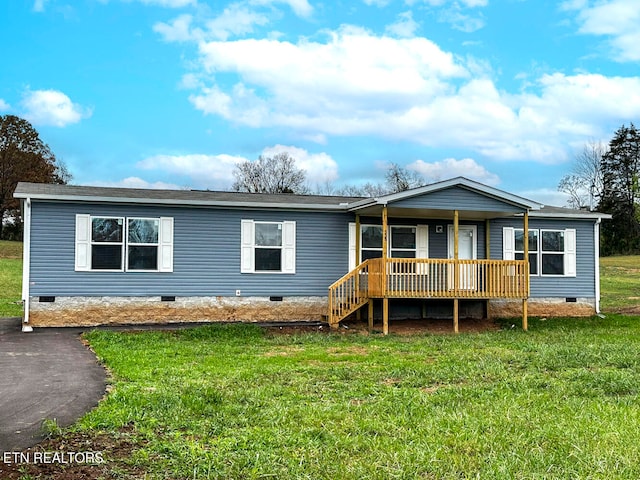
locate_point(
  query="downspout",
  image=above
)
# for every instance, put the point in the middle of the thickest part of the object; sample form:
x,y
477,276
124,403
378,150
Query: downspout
x,y
26,262
596,242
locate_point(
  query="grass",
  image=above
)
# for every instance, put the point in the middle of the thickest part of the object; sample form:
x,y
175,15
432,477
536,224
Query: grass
x,y
10,278
620,285
560,401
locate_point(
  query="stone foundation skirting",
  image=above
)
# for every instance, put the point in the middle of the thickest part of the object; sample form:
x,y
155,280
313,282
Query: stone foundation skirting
x,y
93,311
543,307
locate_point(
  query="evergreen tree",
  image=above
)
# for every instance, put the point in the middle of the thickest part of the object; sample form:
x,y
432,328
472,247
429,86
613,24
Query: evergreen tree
x,y
621,192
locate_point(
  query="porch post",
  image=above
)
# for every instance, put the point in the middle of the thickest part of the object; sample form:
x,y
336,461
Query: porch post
x,y
359,311
385,299
456,269
487,239
357,240
370,314
525,320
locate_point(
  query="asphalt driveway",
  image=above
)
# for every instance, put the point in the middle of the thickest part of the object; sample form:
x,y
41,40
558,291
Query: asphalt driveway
x,y
46,374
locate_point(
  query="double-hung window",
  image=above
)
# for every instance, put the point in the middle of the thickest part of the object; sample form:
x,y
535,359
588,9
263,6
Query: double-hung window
x,y
551,252
142,243
403,242
111,243
268,247
371,242
107,241
533,248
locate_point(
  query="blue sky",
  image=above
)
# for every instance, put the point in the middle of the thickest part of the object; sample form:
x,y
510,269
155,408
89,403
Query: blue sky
x,y
172,93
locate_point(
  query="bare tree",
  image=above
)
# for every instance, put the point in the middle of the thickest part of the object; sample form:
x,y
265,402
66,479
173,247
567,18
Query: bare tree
x,y
584,183
277,174
400,179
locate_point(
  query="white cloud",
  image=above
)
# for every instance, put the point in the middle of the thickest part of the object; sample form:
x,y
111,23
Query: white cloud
x,y
178,30
301,8
52,107
405,26
450,167
204,171
342,78
616,19
136,182
319,167
461,21
236,19
546,196
39,5
4,106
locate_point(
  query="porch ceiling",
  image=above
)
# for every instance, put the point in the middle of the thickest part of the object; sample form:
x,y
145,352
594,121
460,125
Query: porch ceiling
x,y
437,214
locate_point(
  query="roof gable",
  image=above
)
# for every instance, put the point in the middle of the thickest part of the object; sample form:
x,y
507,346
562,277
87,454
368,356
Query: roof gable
x,y
451,194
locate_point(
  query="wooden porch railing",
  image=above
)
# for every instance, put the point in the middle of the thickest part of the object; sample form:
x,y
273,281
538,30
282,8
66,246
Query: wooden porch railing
x,y
349,293
427,278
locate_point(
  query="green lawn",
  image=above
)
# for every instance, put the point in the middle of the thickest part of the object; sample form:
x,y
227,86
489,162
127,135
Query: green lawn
x,y
560,401
620,283
10,278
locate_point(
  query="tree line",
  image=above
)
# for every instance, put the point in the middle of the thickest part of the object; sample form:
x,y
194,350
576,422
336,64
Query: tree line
x,y
606,178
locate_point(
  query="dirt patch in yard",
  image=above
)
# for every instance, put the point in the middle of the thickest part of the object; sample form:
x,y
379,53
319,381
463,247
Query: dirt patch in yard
x,y
398,327
75,456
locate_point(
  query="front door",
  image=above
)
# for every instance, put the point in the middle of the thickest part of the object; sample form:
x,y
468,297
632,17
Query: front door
x,y
466,251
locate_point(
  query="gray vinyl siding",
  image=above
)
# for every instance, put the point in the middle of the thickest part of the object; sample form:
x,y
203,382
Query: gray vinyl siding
x,y
583,284
457,198
206,253
438,246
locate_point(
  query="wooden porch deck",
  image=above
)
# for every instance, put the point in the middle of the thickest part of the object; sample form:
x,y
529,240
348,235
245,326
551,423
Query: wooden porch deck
x,y
385,278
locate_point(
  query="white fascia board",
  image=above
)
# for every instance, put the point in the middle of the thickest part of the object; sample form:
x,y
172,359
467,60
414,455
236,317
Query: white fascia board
x,y
568,215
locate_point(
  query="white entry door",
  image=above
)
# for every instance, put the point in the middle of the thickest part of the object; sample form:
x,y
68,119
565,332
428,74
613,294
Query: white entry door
x,y
467,250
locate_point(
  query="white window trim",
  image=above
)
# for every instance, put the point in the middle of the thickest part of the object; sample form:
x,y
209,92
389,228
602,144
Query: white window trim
x,y
128,244
248,247
84,244
569,252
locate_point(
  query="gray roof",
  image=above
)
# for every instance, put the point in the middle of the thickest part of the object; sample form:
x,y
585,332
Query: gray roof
x,y
45,191
53,192
561,212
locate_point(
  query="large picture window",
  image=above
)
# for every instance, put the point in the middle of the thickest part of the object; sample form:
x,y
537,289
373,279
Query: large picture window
x,y
106,243
268,247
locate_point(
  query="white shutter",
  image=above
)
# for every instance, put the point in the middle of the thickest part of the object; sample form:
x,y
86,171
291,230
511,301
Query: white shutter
x,y
508,244
352,246
247,239
570,252
165,245
288,247
422,241
83,242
